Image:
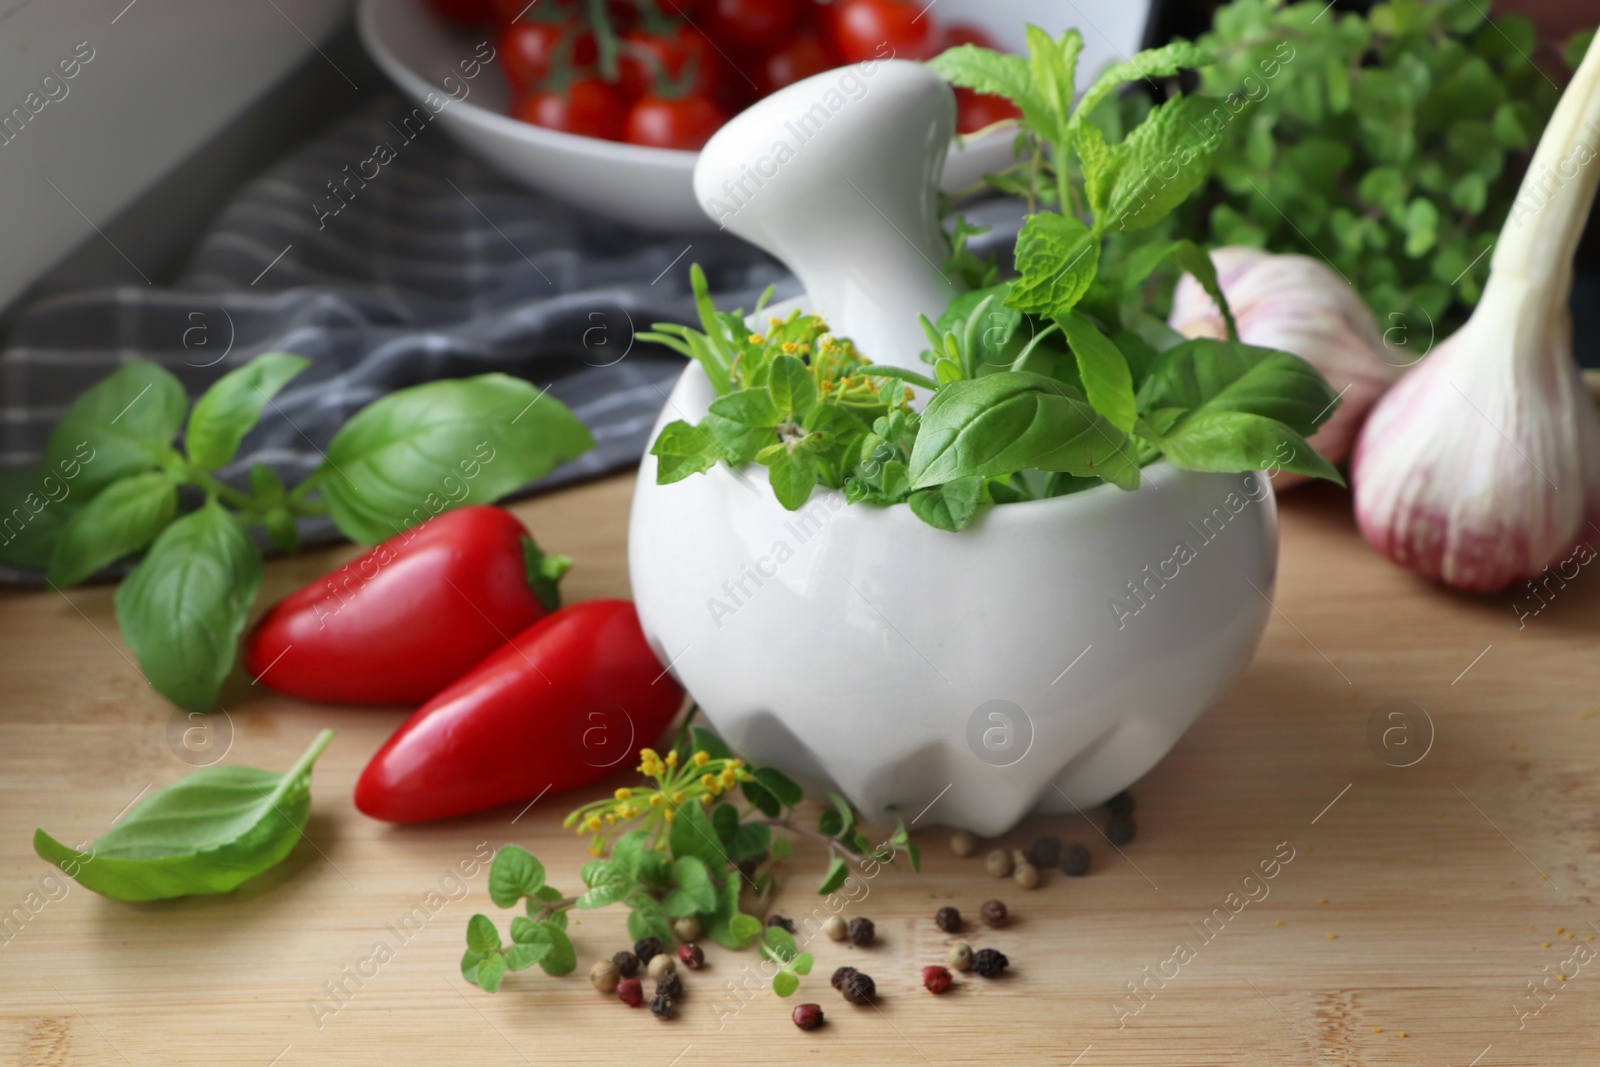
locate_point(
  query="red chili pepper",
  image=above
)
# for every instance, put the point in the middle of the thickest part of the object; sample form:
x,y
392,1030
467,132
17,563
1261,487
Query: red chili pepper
x,y
571,699
411,616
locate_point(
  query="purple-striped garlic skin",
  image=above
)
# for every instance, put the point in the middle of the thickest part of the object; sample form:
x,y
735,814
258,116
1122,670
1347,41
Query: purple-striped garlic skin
x,y
1301,306
1475,468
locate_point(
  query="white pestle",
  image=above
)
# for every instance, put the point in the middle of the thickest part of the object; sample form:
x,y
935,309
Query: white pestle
x,y
838,177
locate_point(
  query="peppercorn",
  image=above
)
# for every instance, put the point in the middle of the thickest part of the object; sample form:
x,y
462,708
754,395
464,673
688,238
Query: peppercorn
x,y
661,965
859,988
631,992
963,844
1119,831
836,928
998,863
687,928
960,956
808,1016
840,975
1121,805
862,932
670,986
1018,858
989,962
993,913
692,956
1075,861
604,976
647,949
1026,875
1046,852
661,1006
935,979
627,963
948,919
779,920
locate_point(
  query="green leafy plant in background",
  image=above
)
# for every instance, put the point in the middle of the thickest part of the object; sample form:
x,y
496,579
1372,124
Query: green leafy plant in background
x,y
114,477
1054,381
1387,144
688,844
209,832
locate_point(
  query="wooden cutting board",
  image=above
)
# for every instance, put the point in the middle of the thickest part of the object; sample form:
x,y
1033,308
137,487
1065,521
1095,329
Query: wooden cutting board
x,y
1419,907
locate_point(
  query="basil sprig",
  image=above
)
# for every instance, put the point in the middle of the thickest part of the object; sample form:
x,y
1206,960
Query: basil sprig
x,y
208,832
113,481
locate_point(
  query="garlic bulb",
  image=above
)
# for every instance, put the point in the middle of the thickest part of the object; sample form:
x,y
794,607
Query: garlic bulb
x,y
1475,468
1298,305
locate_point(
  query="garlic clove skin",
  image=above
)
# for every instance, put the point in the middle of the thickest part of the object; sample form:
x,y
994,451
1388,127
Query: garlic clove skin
x,y
1474,469
1301,306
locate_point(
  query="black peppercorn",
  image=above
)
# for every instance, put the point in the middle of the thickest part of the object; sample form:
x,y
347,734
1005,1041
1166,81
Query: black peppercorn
x,y
862,932
627,963
808,1016
1119,831
948,919
859,988
781,921
647,949
670,986
1121,805
989,962
840,975
661,1006
1075,861
994,913
1046,852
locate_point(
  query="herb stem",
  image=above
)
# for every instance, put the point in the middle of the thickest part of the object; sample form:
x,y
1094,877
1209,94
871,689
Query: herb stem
x,y
815,835
205,480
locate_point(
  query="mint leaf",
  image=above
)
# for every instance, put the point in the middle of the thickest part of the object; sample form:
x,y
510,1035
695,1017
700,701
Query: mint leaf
x,y
693,892
1147,65
1057,257
1232,441
1163,159
1106,379
123,518
1054,65
482,937
233,405
514,874
999,74
184,606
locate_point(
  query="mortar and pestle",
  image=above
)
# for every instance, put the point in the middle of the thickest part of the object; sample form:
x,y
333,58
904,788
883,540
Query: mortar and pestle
x,y
1042,659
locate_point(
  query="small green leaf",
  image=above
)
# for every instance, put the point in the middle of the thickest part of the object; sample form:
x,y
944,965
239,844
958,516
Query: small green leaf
x,y
999,74
693,892
780,849
1147,65
692,835
703,740
648,919
746,928
781,943
784,984
793,389
1233,441
1057,257
748,407
123,425
838,871
469,965
950,506
233,405
514,874
490,973
1106,379
792,472
562,957
782,786
681,450
481,935
802,963
1192,258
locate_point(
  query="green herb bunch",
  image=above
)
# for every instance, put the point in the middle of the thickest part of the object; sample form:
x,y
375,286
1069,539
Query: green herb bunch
x,y
1054,381
114,482
1385,144
689,843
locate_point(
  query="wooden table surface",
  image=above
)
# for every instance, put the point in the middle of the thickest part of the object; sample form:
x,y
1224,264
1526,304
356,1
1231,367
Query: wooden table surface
x,y
1422,906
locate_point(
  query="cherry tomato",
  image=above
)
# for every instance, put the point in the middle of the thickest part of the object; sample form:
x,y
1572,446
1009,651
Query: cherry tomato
x,y
966,33
686,122
974,111
528,51
868,29
647,58
803,56
589,107
464,12
751,23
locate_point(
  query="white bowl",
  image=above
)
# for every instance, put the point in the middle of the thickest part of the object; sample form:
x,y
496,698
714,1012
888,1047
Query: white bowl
x,y
991,671
652,188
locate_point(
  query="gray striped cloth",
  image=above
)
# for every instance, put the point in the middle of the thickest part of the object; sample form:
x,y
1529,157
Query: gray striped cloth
x,y
436,268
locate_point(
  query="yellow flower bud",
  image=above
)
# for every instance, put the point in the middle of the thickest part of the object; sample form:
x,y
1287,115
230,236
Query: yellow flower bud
x,y
623,794
709,781
702,758
594,822
667,815
657,800
705,798
728,778
672,758
756,338
677,798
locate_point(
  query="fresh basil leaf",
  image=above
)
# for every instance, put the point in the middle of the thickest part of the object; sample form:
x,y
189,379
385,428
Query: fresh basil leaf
x,y
838,871
406,457
1231,441
1106,379
782,786
793,474
208,832
1057,257
950,506
785,984
233,405
1147,65
649,919
121,519
35,506
1205,375
793,389
184,606
125,423
513,874
1015,421
1192,258
999,74
692,892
